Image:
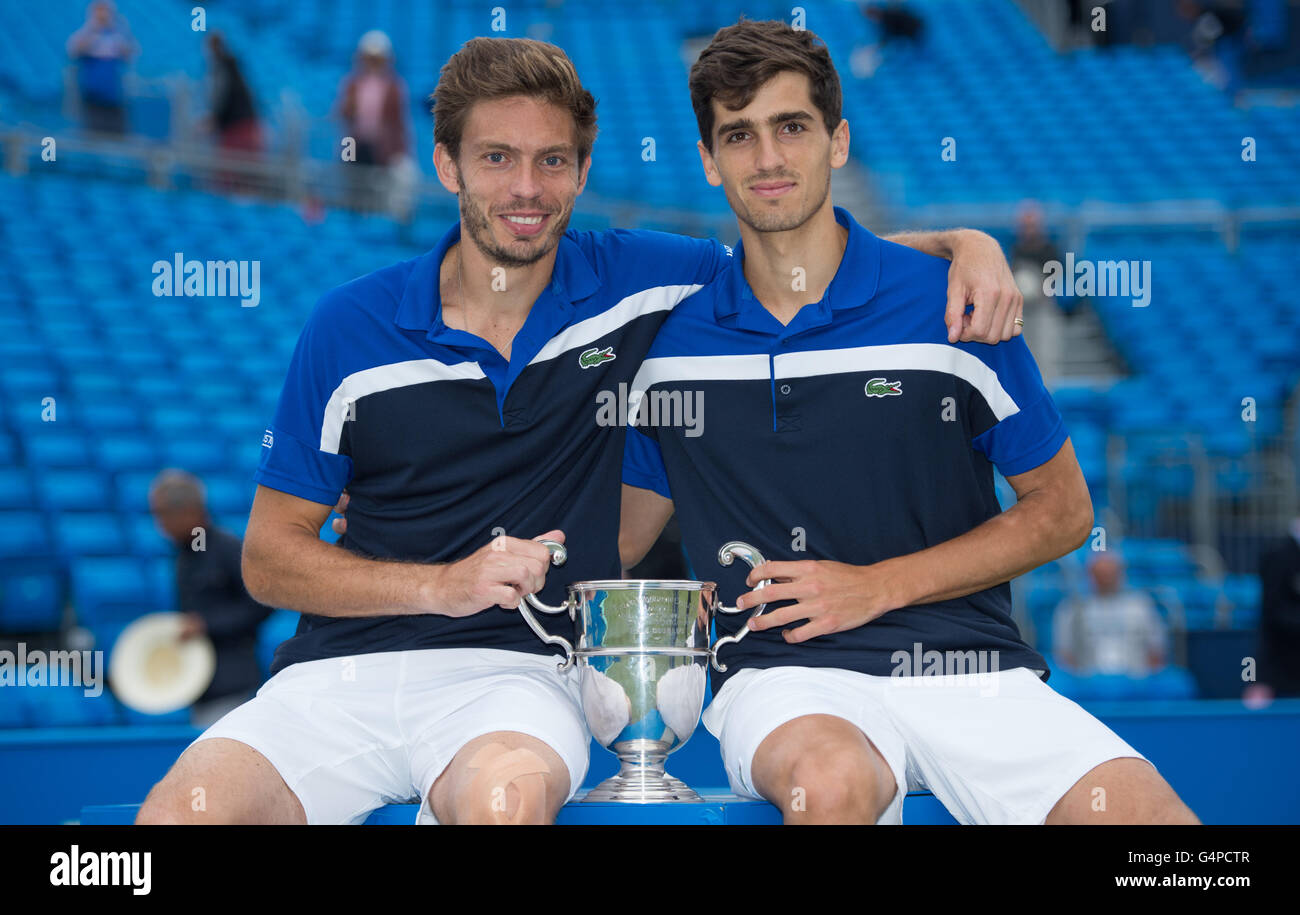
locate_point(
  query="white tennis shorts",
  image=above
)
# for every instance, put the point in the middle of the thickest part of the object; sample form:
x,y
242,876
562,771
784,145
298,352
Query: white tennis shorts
x,y
351,734
997,747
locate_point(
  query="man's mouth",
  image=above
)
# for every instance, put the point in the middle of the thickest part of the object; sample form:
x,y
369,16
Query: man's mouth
x,y
771,188
525,225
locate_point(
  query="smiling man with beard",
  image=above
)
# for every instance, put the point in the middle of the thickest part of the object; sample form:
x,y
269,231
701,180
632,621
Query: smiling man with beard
x,y
454,396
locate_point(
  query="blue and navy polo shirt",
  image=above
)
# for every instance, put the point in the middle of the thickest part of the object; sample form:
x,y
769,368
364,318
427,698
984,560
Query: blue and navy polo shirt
x,y
442,444
856,433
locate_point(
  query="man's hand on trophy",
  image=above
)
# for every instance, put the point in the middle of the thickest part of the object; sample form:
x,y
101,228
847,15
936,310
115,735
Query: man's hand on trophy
x,y
831,596
499,573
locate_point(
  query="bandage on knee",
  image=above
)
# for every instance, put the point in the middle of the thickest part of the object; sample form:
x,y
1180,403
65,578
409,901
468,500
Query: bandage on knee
x,y
495,768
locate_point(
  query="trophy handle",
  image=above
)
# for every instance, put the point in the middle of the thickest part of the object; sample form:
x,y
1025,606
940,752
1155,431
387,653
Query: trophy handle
x,y
727,555
558,557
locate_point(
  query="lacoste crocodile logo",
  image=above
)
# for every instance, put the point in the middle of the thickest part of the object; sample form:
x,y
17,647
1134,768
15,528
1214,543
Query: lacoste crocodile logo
x,y
594,357
879,387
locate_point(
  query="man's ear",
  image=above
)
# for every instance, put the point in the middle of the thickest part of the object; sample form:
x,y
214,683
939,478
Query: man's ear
x,y
840,145
447,169
583,171
711,173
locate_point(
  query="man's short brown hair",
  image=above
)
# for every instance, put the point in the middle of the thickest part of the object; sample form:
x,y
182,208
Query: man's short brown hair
x,y
741,58
493,68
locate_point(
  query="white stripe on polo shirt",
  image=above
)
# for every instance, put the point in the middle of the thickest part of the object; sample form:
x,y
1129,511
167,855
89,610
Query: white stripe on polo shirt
x,y
896,357
419,371
902,357
384,378
749,367
647,301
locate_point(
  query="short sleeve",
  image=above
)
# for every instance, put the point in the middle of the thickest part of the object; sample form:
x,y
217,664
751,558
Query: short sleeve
x,y
1032,433
643,463
643,257
300,455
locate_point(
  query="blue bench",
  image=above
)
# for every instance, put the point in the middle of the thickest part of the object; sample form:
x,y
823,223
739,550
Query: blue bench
x,y
1230,763
719,808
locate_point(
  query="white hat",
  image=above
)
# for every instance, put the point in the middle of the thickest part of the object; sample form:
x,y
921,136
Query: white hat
x,y
375,43
153,671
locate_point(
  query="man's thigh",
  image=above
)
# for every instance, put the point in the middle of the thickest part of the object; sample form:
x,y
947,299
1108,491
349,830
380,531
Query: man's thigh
x,y
505,741
221,781
1001,747
812,741
1122,791
328,729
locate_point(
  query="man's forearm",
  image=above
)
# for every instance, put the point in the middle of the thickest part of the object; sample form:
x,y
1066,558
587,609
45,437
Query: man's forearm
x,y
937,242
301,572
1024,537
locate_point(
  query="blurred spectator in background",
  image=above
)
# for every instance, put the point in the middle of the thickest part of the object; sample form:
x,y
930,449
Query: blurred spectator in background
x,y
210,592
101,48
893,23
1030,251
234,114
1113,643
372,103
1217,41
1279,620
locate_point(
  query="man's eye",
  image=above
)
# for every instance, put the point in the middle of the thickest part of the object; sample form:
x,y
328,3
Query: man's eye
x,y
496,158
737,136
798,128
553,161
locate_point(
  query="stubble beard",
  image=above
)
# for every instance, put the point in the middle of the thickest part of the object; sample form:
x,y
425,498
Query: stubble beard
x,y
478,225
781,222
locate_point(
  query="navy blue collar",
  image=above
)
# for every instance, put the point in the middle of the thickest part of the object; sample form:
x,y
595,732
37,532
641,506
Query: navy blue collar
x,y
853,285
572,280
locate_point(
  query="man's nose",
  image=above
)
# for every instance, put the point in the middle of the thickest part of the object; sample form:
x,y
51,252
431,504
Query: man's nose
x,y
526,182
769,157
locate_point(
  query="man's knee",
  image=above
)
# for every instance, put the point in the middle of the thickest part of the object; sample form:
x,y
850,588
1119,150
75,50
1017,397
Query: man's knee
x,y
510,785
839,783
821,768
177,800
221,781
163,808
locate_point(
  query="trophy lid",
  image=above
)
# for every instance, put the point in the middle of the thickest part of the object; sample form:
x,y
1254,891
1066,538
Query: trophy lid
x,y
640,584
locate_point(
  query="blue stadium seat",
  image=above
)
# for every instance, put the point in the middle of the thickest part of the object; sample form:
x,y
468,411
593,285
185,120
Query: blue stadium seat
x,y
31,599
111,590
74,490
23,534
56,445
16,488
89,534
125,451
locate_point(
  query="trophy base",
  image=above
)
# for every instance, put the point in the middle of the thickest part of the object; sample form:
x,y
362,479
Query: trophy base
x,y
642,787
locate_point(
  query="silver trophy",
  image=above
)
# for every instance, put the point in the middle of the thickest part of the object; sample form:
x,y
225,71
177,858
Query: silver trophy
x,y
642,656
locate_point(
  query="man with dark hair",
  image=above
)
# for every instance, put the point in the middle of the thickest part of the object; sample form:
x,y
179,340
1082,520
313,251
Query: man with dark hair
x,y
455,396
854,445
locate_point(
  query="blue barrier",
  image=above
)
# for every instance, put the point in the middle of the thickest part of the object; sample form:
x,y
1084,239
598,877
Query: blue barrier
x,y
1229,763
